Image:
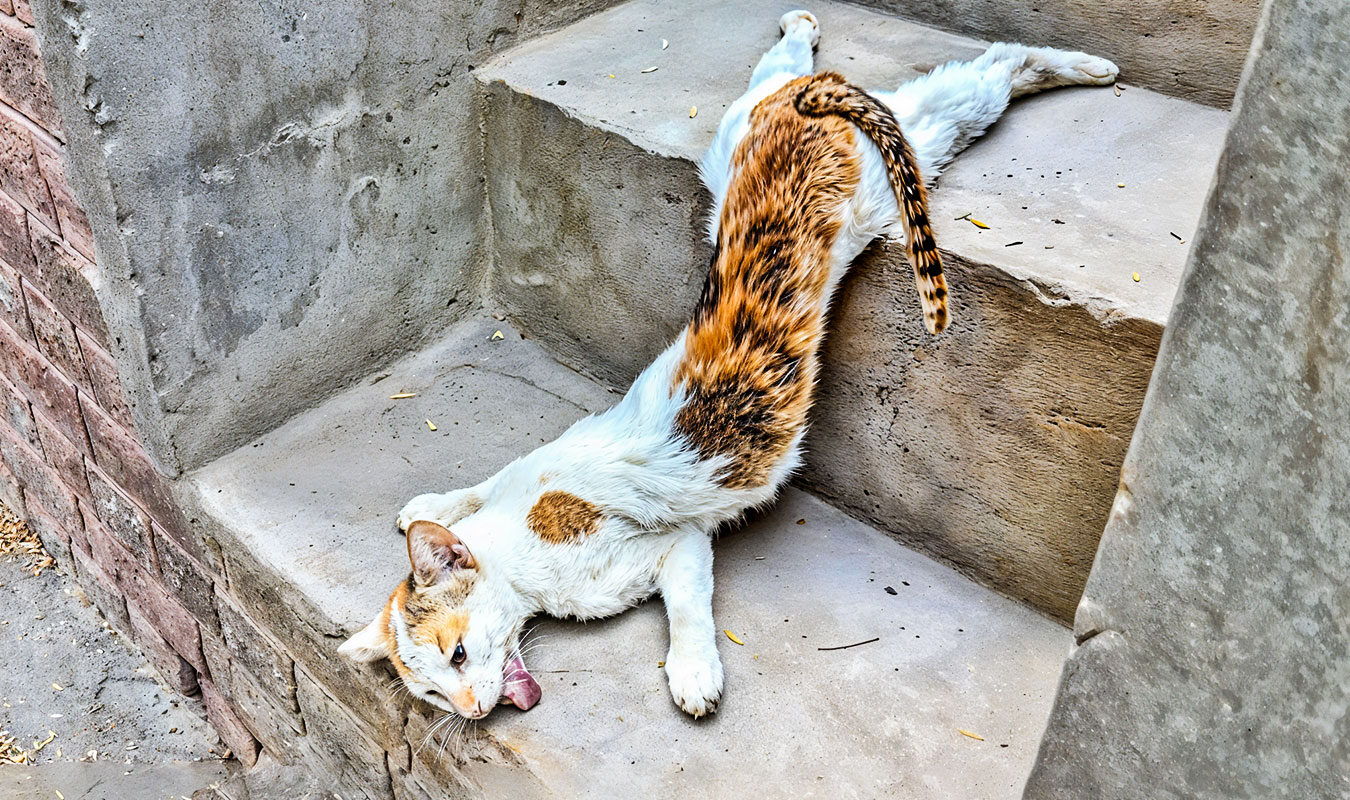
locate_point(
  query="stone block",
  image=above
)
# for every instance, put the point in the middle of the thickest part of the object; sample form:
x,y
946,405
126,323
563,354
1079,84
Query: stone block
x,y
217,655
23,9
21,172
101,589
55,536
104,380
68,279
185,578
49,391
11,494
173,668
7,7
18,412
41,484
280,730
122,517
74,224
23,79
225,718
253,652
55,336
118,452
13,310
63,455
356,764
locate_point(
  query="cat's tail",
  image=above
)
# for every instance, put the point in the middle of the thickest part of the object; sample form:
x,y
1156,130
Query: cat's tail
x,y
828,93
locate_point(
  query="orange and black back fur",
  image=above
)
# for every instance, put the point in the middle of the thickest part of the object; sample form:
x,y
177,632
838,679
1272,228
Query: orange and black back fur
x,y
751,351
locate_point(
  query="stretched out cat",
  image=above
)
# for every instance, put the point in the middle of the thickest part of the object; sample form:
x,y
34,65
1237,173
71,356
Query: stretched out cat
x,y
805,171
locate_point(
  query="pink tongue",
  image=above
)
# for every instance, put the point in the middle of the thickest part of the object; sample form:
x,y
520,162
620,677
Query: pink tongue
x,y
520,687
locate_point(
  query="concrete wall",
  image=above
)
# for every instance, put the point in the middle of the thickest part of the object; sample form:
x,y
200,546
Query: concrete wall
x,y
1192,49
1214,635
284,194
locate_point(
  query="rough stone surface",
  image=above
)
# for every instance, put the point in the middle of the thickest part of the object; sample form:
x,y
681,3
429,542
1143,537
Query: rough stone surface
x,y
351,764
1213,656
995,446
1186,48
952,654
20,170
327,153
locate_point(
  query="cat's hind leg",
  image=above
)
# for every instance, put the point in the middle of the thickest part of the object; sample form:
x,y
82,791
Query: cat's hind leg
x,y
693,666
942,112
792,57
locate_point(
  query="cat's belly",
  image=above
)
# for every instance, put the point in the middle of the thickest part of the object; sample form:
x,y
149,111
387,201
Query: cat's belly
x,y
603,577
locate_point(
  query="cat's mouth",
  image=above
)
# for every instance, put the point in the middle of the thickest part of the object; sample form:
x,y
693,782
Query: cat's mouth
x,y
518,686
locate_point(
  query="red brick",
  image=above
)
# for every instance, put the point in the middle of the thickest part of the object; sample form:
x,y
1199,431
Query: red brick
x,y
14,245
104,381
13,309
74,224
120,515
67,279
120,455
24,11
62,455
41,484
43,384
173,668
101,589
186,579
54,535
20,171
55,336
166,615
18,413
23,78
233,732
10,492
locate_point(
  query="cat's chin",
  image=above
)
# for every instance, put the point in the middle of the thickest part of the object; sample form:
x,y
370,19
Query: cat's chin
x,y
519,686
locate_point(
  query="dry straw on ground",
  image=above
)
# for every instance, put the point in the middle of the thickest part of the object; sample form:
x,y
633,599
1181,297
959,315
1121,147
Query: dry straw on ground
x,y
18,541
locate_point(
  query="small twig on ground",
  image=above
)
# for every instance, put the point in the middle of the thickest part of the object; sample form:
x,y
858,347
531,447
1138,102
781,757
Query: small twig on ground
x,y
855,644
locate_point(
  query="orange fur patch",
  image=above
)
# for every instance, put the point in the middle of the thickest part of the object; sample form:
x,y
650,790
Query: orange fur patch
x,y
561,517
751,351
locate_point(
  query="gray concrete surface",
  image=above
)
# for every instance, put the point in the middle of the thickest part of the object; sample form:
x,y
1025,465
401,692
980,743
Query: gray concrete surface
x,y
1214,636
251,169
995,446
119,734
305,519
1192,49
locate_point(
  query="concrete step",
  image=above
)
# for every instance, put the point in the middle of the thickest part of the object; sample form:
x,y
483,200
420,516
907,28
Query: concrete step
x,y
1192,50
304,521
995,446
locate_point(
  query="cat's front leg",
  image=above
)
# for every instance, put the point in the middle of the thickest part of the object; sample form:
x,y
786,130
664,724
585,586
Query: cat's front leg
x,y
442,508
692,664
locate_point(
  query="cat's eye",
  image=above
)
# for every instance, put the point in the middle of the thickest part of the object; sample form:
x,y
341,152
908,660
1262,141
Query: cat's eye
x,y
459,655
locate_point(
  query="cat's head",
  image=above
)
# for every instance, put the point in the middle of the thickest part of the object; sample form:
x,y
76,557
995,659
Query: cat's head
x,y
452,629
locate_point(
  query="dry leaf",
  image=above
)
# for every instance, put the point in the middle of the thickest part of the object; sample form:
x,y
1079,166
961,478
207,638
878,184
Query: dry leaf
x,y
58,687
649,69
1120,186
693,111
975,736
402,395
664,44
498,335
977,223
733,638
431,425
1117,88
1135,276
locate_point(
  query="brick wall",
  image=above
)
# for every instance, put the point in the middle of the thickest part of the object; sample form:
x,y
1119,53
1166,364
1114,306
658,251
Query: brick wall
x,y
71,461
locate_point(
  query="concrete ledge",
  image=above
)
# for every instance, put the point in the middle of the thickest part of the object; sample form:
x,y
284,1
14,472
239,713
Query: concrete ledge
x,y
996,445
304,518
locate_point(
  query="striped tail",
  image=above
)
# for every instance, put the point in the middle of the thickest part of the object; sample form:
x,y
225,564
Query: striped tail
x,y
829,93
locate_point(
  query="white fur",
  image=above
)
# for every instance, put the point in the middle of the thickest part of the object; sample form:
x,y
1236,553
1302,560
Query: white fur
x,y
660,500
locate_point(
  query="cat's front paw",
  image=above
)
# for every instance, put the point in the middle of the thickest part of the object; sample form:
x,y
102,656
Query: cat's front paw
x,y
695,683
433,507
800,21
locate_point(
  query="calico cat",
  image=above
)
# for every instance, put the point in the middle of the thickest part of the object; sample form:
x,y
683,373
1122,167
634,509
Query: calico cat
x,y
805,172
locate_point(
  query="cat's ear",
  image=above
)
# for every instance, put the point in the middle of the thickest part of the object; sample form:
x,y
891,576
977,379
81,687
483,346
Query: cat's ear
x,y
371,643
435,552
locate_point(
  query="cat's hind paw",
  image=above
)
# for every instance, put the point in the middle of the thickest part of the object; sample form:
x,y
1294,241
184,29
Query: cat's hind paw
x,y
800,21
695,683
